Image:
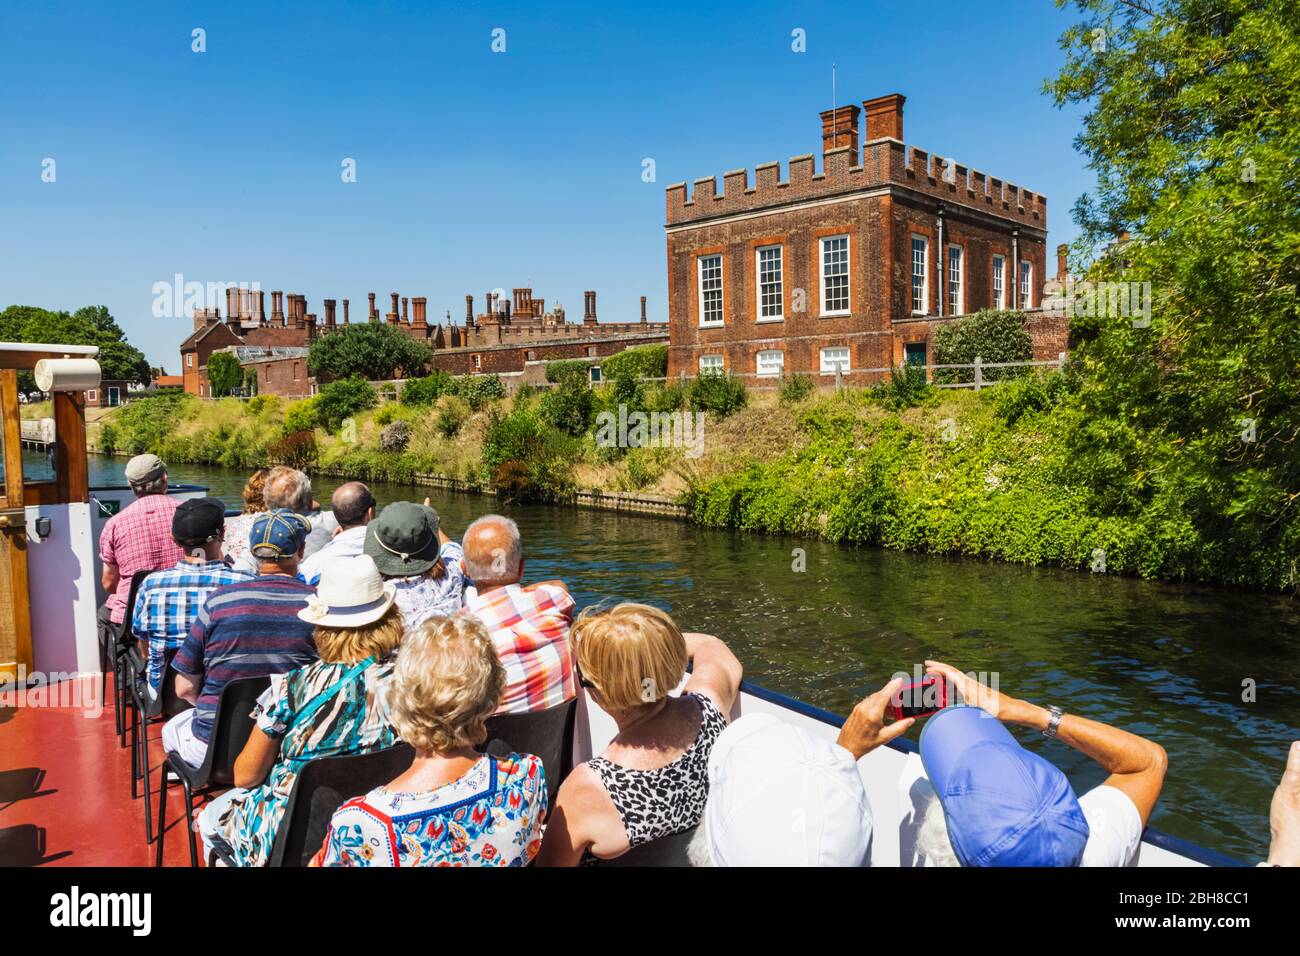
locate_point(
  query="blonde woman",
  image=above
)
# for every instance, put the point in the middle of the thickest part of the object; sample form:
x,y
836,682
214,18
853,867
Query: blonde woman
x,y
235,544
334,706
652,780
454,806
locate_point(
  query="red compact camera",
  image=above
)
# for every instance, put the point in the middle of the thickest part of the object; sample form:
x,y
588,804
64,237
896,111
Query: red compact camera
x,y
920,698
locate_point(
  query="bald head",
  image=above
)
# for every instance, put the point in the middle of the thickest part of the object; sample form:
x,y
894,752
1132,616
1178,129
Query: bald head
x,y
353,504
494,554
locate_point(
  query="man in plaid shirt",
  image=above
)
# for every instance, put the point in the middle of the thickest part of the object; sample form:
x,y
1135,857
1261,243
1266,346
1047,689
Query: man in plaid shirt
x,y
529,625
169,601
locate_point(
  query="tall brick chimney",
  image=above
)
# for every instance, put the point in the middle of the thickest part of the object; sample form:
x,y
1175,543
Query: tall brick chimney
x,y
259,307
487,306
405,318
643,310
418,305
840,128
589,307
329,313
1062,262
373,315
277,308
232,306
392,313
885,116
469,310
346,320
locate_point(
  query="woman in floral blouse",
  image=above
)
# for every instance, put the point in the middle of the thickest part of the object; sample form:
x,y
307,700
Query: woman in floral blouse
x,y
337,705
454,806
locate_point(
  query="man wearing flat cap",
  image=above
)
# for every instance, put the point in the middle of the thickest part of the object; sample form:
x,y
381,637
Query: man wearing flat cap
x,y
138,538
169,601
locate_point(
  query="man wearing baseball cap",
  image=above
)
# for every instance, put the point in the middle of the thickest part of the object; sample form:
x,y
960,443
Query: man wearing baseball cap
x,y
246,629
168,601
997,804
138,538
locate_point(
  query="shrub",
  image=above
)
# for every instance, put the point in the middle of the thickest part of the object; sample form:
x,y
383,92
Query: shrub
x,y
641,361
478,390
427,390
658,397
263,404
224,373
567,407
992,335
297,449
451,415
905,388
108,438
300,416
568,370
395,436
795,388
528,459
341,400
718,393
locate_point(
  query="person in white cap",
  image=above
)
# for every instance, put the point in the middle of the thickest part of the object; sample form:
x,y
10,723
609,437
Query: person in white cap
x,y
780,796
337,705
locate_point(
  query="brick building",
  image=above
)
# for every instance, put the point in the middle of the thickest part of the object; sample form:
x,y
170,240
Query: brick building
x,y
852,266
502,339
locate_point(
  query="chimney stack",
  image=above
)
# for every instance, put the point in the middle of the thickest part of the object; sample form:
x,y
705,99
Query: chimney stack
x,y
589,307
405,314
392,313
277,308
259,307
469,310
840,128
373,314
1062,263
232,306
346,321
643,310
885,116
329,313
418,305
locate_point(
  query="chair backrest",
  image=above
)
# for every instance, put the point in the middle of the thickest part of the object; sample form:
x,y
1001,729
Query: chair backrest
x,y
666,851
321,788
168,703
547,734
125,637
231,726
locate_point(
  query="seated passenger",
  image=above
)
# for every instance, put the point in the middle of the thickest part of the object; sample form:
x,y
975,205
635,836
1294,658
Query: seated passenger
x,y
763,771
333,706
998,804
1284,814
247,629
353,507
235,542
529,625
410,550
454,806
652,780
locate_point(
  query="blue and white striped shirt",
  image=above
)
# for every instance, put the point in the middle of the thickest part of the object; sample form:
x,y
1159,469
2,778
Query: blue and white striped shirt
x,y
169,601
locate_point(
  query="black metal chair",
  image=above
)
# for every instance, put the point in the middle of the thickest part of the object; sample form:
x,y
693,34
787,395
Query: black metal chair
x,y
143,710
547,734
666,851
321,788
113,647
231,726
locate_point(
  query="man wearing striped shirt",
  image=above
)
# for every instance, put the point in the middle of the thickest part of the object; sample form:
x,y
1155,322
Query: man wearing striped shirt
x,y
248,629
529,625
169,601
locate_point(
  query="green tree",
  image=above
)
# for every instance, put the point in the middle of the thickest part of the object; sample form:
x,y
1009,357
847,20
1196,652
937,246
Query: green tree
x,y
91,325
1193,127
224,373
370,350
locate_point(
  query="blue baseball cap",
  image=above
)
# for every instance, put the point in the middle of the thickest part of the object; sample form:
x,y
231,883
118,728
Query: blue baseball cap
x,y
1004,805
278,533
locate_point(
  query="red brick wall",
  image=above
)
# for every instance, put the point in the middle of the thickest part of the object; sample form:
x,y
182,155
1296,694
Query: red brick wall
x,y
512,358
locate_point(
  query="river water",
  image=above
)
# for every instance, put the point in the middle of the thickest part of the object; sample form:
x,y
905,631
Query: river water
x,y
1160,660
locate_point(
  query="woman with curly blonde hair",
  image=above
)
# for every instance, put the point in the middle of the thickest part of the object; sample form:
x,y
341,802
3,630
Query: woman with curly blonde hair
x,y
235,544
454,806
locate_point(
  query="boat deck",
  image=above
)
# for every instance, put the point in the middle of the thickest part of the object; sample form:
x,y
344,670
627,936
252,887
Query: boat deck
x,y
65,791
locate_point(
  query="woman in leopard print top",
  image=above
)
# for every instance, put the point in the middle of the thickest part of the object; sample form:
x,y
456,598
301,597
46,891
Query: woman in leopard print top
x,y
652,780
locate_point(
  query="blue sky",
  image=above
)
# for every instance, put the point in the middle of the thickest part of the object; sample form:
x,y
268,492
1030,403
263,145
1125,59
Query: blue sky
x,y
475,169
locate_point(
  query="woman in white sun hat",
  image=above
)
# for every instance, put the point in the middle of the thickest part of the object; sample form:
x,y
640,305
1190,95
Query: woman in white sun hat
x,y
337,705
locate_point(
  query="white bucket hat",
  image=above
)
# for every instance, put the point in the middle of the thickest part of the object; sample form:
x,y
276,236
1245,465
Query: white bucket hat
x,y
351,593
778,796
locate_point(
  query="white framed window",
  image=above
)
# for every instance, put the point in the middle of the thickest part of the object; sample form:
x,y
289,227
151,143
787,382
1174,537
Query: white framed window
x,y
189,359
710,364
833,357
591,351
92,395
999,282
920,274
835,275
771,299
954,280
710,282
769,363
530,355
478,361
1026,285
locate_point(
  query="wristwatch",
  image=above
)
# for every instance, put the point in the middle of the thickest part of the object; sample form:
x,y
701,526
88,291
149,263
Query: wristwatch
x,y
1054,721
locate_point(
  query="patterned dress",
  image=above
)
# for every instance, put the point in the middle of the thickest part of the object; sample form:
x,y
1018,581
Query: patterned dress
x,y
422,596
669,799
241,824
491,816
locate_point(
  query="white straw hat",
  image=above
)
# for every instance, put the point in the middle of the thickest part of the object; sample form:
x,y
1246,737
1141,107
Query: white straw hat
x,y
778,796
351,593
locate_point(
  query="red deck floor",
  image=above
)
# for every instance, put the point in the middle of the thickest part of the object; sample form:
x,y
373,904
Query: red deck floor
x,y
65,792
